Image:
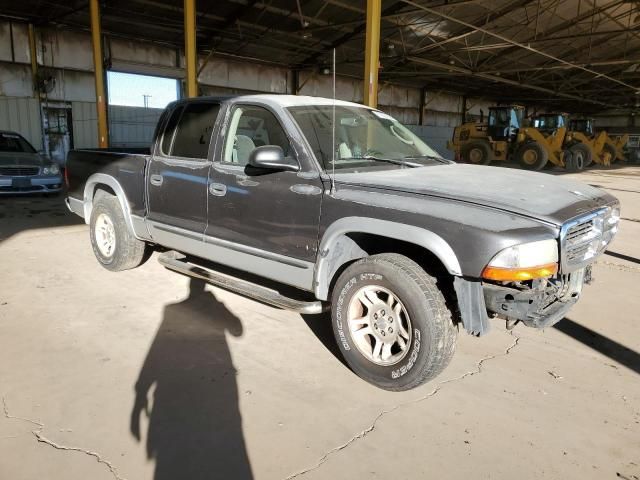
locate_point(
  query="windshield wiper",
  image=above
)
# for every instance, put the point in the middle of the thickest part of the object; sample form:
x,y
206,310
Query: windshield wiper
x,y
393,161
427,157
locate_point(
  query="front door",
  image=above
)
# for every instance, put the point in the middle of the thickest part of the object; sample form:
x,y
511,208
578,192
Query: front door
x,y
178,173
266,222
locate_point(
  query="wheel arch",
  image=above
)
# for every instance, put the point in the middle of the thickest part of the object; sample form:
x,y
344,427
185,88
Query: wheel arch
x,y
352,238
101,181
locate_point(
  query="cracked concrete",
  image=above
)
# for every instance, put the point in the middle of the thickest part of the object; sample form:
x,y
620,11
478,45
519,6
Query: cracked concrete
x,y
39,435
104,360
372,427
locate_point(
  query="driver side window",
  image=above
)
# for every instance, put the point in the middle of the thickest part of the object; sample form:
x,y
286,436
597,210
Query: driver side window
x,y
251,127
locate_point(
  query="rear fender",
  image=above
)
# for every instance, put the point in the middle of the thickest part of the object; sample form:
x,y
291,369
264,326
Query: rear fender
x,y
98,179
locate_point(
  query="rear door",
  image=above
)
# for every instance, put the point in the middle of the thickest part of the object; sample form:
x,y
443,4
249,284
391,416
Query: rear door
x,y
178,173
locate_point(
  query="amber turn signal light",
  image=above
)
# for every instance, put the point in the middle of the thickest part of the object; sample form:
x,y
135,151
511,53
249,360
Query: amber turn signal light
x,y
519,274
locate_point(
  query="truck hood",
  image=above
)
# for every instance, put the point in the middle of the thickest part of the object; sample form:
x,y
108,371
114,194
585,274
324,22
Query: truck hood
x,y
546,197
22,159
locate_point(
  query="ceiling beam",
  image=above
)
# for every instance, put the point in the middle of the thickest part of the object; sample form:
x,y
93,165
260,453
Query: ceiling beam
x,y
519,45
495,78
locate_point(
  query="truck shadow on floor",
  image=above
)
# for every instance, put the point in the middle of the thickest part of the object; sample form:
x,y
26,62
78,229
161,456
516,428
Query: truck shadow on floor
x,y
194,422
610,348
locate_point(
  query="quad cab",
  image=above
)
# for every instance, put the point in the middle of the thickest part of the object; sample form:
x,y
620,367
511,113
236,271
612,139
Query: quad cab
x,y
404,248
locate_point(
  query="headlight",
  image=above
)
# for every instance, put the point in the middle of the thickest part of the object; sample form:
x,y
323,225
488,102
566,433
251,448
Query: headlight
x,y
524,262
51,170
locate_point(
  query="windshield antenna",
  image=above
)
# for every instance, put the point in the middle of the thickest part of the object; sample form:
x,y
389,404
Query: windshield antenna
x,y
333,128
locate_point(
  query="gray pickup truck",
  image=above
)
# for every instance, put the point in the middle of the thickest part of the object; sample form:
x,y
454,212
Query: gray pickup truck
x,y
311,204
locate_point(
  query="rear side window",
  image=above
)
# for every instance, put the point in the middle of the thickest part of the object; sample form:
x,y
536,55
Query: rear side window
x,y
169,130
194,130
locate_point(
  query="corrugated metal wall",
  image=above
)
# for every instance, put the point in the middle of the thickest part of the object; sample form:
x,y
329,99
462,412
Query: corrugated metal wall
x,y
435,137
132,126
85,124
22,115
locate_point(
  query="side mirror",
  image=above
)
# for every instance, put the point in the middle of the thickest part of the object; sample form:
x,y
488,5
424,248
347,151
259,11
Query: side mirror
x,y
271,157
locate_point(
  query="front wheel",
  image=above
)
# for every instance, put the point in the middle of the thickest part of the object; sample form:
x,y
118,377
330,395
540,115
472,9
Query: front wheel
x,y
532,156
391,322
113,245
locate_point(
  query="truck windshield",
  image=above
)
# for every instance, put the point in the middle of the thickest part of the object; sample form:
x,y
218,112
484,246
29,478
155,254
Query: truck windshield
x,y
10,142
363,138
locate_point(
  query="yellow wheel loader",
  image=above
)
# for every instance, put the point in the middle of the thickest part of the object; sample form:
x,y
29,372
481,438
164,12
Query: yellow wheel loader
x,y
614,147
605,149
485,142
503,137
581,133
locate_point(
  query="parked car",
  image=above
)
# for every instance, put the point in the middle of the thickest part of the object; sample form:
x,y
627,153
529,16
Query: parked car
x,y
356,213
23,170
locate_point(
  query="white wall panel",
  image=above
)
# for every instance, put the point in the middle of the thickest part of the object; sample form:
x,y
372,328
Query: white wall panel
x,y
22,115
85,124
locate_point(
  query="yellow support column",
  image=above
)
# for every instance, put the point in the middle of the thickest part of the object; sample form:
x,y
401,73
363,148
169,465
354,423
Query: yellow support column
x,y
372,52
98,70
33,53
190,53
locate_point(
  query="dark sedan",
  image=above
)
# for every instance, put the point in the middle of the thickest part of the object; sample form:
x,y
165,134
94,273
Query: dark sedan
x,y
23,170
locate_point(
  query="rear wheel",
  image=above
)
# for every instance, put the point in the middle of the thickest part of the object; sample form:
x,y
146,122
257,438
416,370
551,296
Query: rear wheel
x,y
113,245
391,322
478,153
532,156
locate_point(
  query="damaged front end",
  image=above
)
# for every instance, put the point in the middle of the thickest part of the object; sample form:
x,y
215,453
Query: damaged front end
x,y
537,283
539,303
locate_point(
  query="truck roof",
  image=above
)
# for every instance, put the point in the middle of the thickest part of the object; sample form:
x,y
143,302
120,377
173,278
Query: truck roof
x,y
278,100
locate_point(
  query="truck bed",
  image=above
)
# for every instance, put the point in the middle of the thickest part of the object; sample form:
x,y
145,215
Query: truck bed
x,y
127,165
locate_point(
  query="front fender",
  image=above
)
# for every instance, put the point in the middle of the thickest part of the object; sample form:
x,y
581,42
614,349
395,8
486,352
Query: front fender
x,y
336,248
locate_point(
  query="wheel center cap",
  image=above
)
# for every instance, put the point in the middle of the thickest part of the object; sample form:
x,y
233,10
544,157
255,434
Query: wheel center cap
x,y
384,324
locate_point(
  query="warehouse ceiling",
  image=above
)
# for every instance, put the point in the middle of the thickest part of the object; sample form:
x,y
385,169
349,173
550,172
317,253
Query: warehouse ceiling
x,y
569,54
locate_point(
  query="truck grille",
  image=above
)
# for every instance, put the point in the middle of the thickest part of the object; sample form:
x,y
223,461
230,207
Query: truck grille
x,y
19,171
585,238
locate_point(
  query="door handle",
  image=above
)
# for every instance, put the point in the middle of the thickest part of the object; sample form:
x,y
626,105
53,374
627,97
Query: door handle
x,y
156,180
217,189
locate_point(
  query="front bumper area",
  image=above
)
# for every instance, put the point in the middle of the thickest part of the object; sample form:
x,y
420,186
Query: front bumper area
x,y
32,184
542,305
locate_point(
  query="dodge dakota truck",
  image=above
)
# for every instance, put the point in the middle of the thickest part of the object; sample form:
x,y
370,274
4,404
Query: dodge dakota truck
x,y
313,204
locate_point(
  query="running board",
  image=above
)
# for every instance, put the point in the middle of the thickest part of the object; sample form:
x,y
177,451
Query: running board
x,y
178,263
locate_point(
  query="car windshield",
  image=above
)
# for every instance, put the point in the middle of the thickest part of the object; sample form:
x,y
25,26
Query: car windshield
x,y
10,142
364,138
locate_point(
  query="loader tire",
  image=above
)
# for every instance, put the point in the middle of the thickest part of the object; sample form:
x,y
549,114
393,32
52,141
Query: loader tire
x,y
477,153
608,149
581,156
575,158
532,156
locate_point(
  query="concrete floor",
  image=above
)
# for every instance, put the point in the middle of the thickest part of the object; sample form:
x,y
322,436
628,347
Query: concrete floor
x,y
132,376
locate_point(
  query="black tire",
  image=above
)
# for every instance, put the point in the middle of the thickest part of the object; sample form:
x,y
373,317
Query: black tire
x,y
127,252
581,155
477,153
611,151
573,160
425,319
532,156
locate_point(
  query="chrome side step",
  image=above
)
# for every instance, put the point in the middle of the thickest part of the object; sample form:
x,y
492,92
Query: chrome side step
x,y
178,262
